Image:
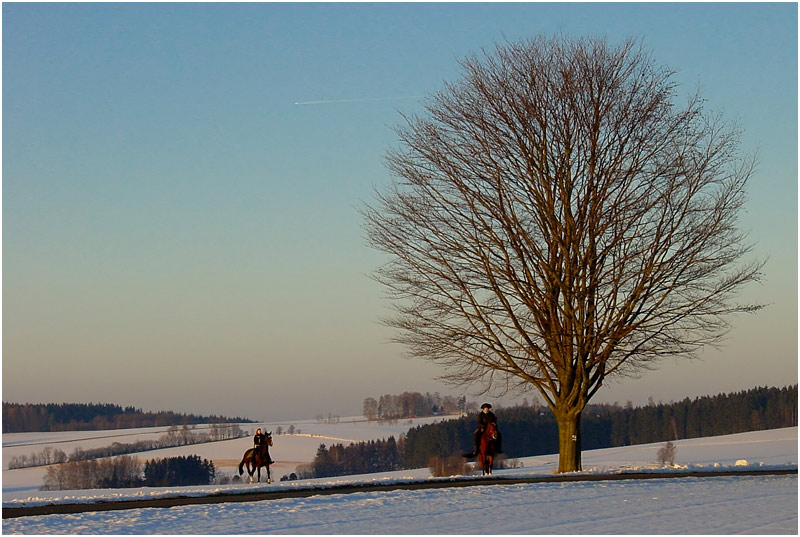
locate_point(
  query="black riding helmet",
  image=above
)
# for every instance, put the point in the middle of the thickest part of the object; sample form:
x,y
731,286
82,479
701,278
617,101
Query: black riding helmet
x,y
486,405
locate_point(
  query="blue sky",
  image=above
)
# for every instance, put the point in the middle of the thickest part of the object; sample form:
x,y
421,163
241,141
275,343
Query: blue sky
x,y
179,234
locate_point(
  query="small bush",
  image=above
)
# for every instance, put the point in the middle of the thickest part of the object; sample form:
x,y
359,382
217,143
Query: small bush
x,y
447,466
666,455
222,479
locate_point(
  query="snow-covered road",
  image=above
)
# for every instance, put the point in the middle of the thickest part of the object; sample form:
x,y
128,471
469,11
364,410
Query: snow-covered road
x,y
719,505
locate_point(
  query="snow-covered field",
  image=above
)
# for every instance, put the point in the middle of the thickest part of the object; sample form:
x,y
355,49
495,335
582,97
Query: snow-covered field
x,y
288,451
719,505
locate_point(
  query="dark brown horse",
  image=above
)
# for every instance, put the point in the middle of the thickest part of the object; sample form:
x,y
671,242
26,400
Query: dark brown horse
x,y
255,458
487,448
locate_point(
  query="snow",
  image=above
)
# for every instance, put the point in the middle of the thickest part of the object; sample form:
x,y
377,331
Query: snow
x,y
723,504
288,451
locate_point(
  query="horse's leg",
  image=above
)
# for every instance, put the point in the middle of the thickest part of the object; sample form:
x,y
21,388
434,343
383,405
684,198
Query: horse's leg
x,y
251,469
269,476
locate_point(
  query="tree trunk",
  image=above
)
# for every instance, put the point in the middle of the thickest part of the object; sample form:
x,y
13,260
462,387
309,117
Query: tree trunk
x,y
569,441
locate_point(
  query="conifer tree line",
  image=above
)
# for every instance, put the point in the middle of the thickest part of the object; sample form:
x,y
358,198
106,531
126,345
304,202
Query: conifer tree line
x,y
531,431
178,471
51,417
357,458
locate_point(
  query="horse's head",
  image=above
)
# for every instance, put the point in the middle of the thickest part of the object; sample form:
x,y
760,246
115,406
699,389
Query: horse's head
x,y
269,438
491,431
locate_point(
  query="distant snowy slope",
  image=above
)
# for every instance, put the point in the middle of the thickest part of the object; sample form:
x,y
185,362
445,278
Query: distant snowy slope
x,y
288,451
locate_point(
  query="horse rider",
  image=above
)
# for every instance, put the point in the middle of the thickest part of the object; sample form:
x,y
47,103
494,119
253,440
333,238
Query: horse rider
x,y
260,439
485,417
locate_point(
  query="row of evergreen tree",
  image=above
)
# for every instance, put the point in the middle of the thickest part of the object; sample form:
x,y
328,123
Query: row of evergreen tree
x,y
531,431
50,417
357,458
178,471
751,410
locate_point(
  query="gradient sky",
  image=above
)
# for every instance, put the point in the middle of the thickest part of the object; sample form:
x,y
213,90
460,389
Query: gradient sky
x,y
179,234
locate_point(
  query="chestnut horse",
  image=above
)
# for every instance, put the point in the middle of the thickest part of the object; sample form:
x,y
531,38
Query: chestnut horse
x,y
255,458
487,448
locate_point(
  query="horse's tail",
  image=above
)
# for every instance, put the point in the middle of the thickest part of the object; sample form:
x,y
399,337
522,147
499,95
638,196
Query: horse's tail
x,y
241,464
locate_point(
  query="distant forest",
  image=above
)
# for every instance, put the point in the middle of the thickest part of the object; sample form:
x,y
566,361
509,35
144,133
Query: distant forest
x,y
23,418
531,431
357,458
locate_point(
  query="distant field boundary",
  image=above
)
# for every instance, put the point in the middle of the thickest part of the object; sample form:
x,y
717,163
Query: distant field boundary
x,y
258,496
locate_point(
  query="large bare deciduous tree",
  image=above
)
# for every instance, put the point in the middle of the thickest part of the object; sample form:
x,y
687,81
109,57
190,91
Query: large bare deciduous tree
x,y
556,218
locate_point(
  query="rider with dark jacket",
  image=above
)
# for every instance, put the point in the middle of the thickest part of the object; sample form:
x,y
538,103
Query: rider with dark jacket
x,y
260,439
485,417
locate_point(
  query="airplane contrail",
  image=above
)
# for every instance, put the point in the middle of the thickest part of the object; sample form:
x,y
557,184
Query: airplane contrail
x,y
357,100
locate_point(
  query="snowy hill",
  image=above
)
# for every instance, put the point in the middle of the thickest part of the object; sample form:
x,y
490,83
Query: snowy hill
x,y
288,450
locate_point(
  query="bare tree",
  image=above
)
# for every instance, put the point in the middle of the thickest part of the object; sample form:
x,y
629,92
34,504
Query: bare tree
x,y
370,409
558,219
